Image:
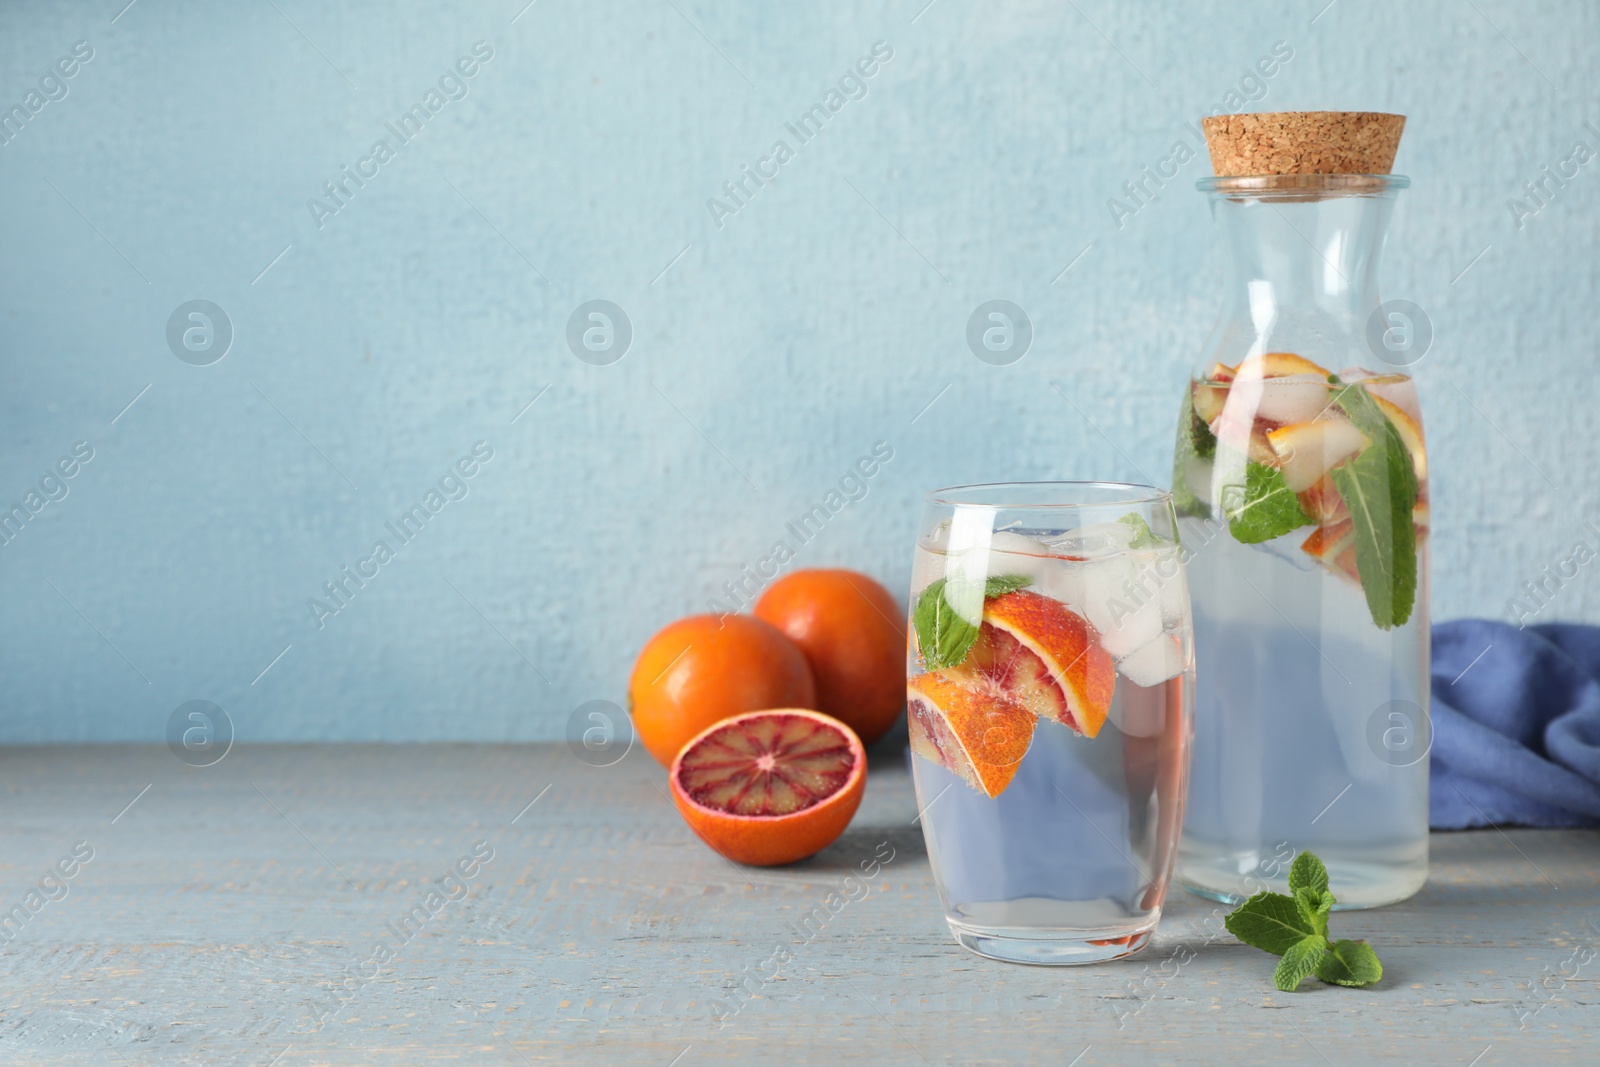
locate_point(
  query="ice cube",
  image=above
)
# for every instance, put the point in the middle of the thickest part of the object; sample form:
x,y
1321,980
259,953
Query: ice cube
x,y
1153,663
1012,553
1294,398
1121,599
977,552
1092,542
1174,589
1065,582
1139,711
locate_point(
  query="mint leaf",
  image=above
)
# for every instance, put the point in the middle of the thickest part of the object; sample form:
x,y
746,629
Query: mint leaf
x,y
1379,486
1300,962
1384,482
1314,907
1195,442
944,637
1263,507
1001,584
1350,963
1354,400
1201,439
1184,499
1143,536
1269,921
1308,873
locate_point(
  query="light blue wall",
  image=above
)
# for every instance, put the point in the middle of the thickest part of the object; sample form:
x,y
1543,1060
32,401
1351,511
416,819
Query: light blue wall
x,y
768,353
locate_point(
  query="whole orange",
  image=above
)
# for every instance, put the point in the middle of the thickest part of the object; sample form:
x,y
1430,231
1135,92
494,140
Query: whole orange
x,y
854,636
706,668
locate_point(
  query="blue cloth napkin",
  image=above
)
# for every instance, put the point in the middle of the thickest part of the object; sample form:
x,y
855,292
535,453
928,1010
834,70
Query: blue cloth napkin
x,y
1516,725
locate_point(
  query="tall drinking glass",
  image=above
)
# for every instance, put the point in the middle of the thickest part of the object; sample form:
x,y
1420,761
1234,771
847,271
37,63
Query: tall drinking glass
x,y
1049,680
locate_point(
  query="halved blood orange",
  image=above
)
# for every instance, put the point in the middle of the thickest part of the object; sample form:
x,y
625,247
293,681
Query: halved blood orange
x,y
770,787
977,736
1035,650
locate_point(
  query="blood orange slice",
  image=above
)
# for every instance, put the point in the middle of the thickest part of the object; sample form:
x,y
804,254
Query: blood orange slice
x,y
1334,547
770,787
978,736
1306,451
1279,365
1323,502
1036,651
1410,435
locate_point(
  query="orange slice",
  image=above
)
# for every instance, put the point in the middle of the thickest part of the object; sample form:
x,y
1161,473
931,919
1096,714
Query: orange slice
x,y
1209,400
1410,435
1305,451
1278,365
1326,542
1323,502
1334,546
979,737
1034,650
1238,429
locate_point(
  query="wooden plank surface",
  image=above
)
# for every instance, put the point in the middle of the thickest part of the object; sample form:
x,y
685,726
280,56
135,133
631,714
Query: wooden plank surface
x,y
219,913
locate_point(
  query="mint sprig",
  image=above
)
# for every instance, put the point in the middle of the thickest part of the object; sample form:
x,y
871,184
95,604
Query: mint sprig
x,y
1263,507
944,635
1379,486
1296,928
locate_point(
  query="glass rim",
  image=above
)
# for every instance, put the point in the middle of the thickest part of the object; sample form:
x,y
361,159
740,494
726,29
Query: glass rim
x,y
1302,185
1028,493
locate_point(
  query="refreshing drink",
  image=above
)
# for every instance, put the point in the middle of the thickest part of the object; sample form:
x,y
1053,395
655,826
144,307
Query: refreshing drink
x,y
1302,496
1049,674
1301,483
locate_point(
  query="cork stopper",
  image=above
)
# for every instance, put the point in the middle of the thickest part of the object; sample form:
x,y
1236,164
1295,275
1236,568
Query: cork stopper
x,y
1303,142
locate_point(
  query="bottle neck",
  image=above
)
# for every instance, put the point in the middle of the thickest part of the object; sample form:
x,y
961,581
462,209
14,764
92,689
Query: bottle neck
x,y
1302,263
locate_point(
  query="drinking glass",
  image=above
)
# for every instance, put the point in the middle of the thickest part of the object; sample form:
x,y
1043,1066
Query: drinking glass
x,y
1049,677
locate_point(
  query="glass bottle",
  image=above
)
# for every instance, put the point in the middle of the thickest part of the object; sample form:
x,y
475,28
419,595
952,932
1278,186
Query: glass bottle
x,y
1301,486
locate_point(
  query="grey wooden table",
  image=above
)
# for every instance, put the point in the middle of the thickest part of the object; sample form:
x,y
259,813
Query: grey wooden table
x,y
274,909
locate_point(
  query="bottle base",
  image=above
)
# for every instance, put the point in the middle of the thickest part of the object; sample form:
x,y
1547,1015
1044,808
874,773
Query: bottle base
x,y
1357,885
1017,946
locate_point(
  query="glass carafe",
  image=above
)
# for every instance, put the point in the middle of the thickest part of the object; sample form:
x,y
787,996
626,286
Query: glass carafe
x,y
1301,488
